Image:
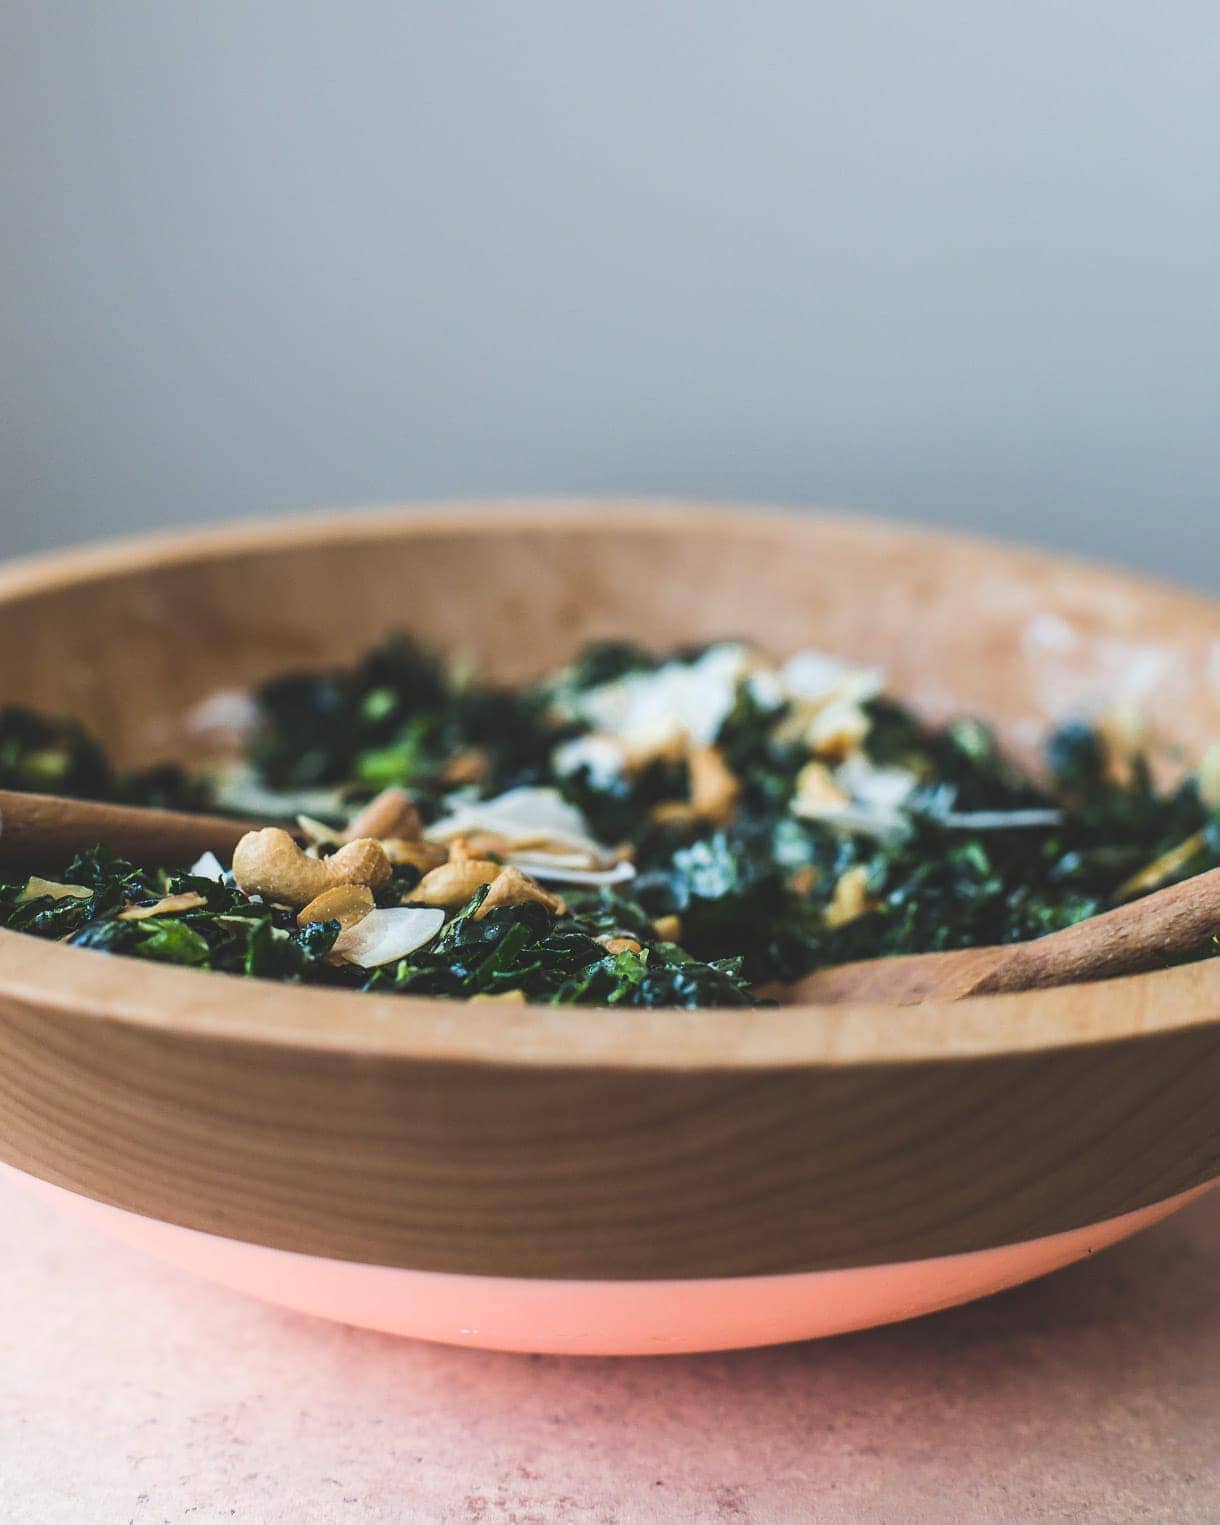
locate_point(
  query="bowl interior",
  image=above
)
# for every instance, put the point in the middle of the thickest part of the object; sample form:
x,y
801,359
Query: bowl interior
x,y
132,638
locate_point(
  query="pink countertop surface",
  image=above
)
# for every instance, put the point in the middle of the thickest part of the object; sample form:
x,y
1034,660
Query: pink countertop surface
x,y
134,1393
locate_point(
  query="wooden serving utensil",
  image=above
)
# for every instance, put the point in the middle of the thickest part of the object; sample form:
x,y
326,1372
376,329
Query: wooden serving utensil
x,y
45,830
1164,926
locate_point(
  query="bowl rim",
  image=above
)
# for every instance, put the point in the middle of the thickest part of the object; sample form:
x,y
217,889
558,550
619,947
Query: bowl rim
x,y
200,1003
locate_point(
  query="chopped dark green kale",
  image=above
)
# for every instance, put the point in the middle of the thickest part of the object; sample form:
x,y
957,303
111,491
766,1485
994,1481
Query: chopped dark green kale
x,y
514,948
396,717
718,907
55,755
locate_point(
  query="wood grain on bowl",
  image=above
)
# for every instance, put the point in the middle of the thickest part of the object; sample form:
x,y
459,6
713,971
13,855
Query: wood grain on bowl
x,y
601,1144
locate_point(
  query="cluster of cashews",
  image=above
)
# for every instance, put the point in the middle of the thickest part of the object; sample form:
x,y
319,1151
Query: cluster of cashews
x,y
342,885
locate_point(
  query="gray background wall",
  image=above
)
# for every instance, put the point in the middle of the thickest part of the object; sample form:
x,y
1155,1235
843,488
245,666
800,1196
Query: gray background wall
x,y
955,261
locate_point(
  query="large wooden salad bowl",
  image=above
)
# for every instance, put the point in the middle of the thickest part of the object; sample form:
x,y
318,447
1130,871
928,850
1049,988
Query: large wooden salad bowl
x,y
567,1179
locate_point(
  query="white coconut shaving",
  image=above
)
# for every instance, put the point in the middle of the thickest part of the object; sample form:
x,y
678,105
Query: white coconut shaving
x,y
999,820
208,866
603,757
534,817
228,714
875,799
556,874
816,677
647,714
385,936
644,714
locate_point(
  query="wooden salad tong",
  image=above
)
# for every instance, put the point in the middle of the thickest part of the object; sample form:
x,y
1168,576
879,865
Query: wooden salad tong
x,y
1143,934
45,830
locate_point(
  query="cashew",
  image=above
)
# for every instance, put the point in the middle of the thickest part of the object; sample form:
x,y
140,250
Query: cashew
x,y
420,855
512,887
838,730
714,789
478,844
674,813
1124,737
452,884
269,863
816,792
345,903
463,850
714,786
390,814
850,899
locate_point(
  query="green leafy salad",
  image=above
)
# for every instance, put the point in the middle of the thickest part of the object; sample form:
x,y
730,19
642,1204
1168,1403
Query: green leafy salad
x,y
638,829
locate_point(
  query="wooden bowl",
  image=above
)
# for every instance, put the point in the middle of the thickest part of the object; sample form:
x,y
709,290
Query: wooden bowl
x,y
602,1181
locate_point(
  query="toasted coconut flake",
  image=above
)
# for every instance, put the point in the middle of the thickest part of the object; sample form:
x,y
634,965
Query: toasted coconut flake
x,y
533,827
1161,869
385,936
345,903
169,905
37,888
319,833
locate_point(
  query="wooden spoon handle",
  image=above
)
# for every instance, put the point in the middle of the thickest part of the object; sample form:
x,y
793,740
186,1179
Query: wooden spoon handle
x,y
44,831
1161,927
1170,924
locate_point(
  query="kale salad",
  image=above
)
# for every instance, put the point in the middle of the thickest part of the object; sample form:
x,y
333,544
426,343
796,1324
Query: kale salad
x,y
637,828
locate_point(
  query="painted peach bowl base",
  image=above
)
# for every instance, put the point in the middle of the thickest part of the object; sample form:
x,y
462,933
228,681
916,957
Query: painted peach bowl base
x,y
603,1318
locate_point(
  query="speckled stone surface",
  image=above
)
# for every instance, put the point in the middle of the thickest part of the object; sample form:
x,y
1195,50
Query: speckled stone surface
x,y
134,1393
